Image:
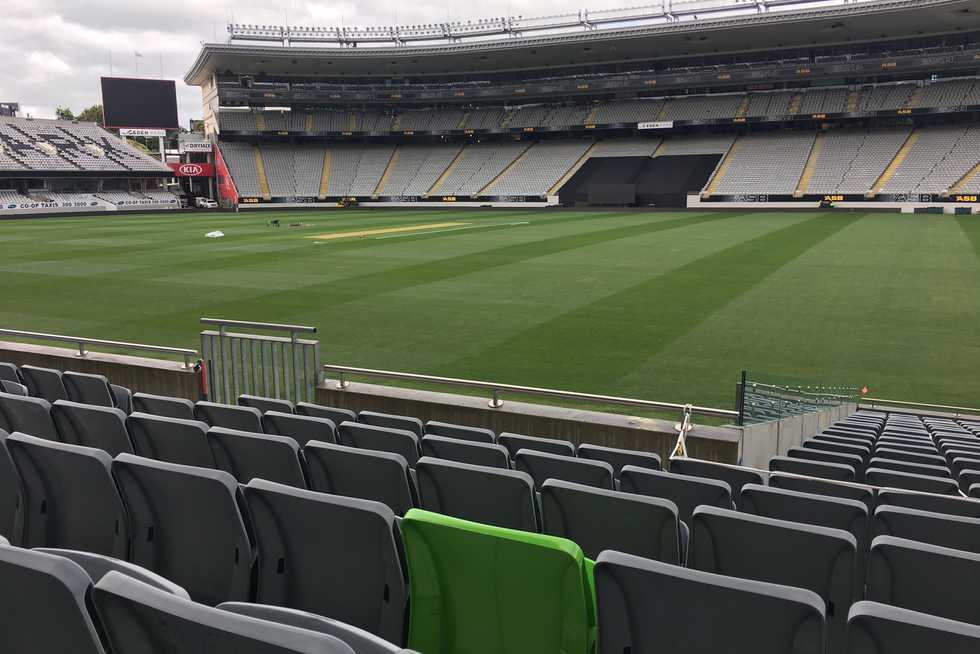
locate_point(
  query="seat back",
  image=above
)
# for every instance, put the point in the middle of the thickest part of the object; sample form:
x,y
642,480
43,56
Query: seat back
x,y
904,466
770,550
301,429
852,460
8,372
333,414
459,432
44,382
619,458
647,606
88,389
543,466
264,404
70,500
686,492
862,494
28,415
405,423
490,495
820,469
348,567
97,566
874,628
466,451
10,495
44,605
598,520
162,405
173,440
478,588
953,531
911,481
734,477
247,456
962,506
188,526
13,388
517,442
140,618
242,418
92,426
353,472
380,439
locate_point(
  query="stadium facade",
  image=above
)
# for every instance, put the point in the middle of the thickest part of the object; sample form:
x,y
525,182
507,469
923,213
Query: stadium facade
x,y
797,103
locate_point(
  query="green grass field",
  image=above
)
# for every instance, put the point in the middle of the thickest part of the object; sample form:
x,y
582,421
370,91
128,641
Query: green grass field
x,y
666,306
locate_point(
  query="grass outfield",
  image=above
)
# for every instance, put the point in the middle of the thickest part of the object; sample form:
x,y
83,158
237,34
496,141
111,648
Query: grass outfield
x,y
667,306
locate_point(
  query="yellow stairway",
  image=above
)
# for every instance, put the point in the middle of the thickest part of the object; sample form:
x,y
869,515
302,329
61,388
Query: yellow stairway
x,y
446,173
574,169
900,156
325,175
485,190
387,173
955,188
260,173
811,163
722,168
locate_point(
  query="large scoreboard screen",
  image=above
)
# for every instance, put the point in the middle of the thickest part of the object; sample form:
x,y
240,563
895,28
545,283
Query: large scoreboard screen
x,y
139,103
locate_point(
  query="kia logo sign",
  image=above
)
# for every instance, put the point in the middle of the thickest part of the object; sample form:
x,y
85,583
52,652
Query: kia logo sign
x,y
191,170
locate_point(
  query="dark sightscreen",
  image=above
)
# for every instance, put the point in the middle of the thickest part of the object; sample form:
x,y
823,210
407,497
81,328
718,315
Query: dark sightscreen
x,y
139,103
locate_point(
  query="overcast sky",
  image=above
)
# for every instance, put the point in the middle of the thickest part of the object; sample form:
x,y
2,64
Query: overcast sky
x,y
54,51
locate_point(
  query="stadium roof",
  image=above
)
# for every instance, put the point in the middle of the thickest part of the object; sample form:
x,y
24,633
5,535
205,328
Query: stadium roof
x,y
824,25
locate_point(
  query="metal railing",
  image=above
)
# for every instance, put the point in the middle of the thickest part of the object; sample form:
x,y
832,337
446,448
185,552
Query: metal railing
x,y
189,356
878,403
495,390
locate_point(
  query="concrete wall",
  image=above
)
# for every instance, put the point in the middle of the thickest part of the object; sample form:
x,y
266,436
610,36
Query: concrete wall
x,y
762,441
578,426
137,373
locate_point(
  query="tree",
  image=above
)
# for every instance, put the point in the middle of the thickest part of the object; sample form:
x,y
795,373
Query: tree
x,y
91,115
64,113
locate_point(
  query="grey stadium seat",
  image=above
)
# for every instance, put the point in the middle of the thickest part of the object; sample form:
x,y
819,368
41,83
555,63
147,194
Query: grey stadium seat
x,y
923,577
909,456
619,458
163,405
140,618
516,442
459,432
359,640
956,532
463,451
914,468
242,418
413,425
858,450
92,426
330,413
188,526
10,494
823,456
265,404
686,492
493,496
911,481
353,472
302,429
28,415
70,499
821,487
381,439
967,478
247,456
13,388
88,389
122,397
44,382
850,439
766,549
543,466
97,566
44,605
8,372
598,520
329,555
173,440
734,477
821,469
874,628
650,607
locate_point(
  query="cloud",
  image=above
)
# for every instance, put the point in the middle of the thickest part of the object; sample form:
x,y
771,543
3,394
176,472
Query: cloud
x,y
55,51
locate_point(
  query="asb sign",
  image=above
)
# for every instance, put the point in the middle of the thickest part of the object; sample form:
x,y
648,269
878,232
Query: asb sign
x,y
192,169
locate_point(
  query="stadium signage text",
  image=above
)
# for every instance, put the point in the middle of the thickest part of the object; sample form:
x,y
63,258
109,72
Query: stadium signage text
x,y
656,124
195,146
192,169
128,131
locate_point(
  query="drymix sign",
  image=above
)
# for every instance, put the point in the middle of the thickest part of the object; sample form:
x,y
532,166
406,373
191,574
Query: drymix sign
x,y
192,169
195,146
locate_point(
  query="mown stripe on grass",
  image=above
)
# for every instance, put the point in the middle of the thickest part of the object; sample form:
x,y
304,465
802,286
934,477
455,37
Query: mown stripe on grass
x,y
971,229
628,327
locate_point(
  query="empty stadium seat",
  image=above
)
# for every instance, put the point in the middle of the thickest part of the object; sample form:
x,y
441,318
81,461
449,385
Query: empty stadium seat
x,y
302,429
820,487
406,423
823,456
367,474
914,468
831,446
92,426
264,404
28,415
648,607
96,566
330,555
516,442
242,418
734,477
247,456
465,451
597,520
162,405
8,372
13,388
686,492
461,432
619,458
911,481
489,495
909,456
188,527
10,494
479,588
45,605
140,618
173,440
820,469
70,500
956,532
771,550
383,439
542,466
335,415
874,628
88,389
44,383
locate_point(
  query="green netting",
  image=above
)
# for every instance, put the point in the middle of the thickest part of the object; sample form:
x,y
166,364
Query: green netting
x,y
478,589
